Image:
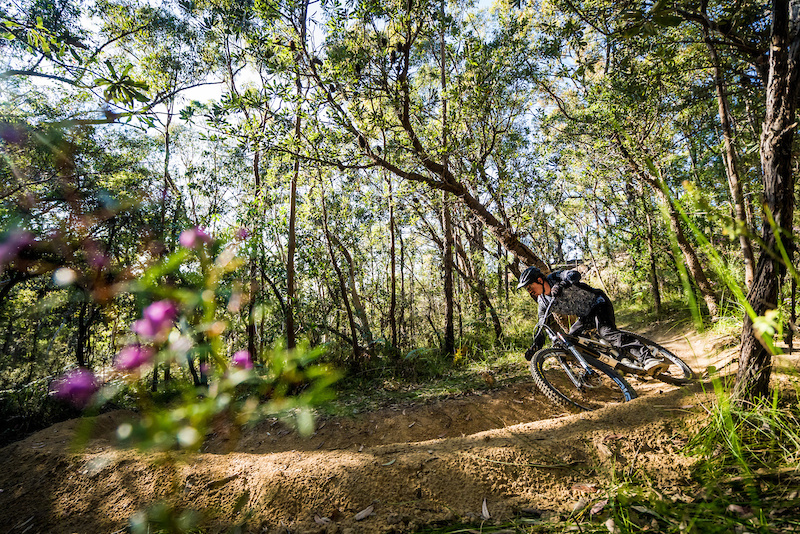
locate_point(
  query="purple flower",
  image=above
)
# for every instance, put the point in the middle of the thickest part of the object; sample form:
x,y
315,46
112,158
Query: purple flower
x,y
161,313
14,242
242,233
242,359
193,237
157,319
132,357
76,387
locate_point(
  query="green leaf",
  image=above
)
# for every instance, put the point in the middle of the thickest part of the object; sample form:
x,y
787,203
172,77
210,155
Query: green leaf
x,y
111,68
667,20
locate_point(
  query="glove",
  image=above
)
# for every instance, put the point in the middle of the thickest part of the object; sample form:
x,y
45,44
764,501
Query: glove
x,y
556,290
538,343
530,352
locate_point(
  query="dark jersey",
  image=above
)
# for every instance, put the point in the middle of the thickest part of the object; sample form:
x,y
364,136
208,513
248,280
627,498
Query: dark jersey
x,y
576,298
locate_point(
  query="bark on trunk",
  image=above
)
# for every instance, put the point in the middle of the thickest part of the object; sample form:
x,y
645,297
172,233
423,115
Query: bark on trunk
x,y
358,306
393,288
291,241
447,260
755,362
651,251
342,287
732,166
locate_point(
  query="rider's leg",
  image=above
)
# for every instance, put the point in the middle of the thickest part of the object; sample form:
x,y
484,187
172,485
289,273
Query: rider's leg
x,y
607,328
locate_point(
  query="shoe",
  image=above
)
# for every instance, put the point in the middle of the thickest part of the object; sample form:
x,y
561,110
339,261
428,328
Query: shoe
x,y
654,365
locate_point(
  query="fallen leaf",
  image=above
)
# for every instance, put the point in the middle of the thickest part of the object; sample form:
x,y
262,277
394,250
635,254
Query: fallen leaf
x,y
365,513
644,510
604,451
612,526
612,437
582,486
321,520
598,507
578,506
390,462
485,510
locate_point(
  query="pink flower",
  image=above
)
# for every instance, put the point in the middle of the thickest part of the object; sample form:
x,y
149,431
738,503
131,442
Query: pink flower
x,y
132,357
157,319
161,313
242,233
76,387
192,237
242,359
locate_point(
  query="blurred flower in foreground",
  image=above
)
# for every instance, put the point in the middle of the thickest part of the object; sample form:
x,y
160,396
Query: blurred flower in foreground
x,y
193,237
242,359
157,319
12,134
12,244
132,357
76,387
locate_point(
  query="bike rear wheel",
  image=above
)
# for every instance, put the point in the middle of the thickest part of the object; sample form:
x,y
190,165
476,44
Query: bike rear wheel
x,y
553,372
678,373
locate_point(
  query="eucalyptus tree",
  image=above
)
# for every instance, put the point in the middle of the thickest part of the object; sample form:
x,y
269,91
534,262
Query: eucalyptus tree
x,y
377,79
624,97
777,160
763,38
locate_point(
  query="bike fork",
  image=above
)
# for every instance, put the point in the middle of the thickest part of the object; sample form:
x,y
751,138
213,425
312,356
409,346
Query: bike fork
x,y
578,356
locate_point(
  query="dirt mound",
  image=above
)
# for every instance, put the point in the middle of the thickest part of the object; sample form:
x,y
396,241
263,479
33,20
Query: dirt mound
x,y
480,457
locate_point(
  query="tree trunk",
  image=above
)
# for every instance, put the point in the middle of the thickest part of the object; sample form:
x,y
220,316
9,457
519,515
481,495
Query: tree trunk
x,y
358,305
447,257
755,362
792,317
480,290
477,247
447,261
342,286
291,241
732,166
80,348
651,250
674,218
393,275
251,332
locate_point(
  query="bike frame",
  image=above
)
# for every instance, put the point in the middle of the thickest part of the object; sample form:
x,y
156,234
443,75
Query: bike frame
x,y
586,349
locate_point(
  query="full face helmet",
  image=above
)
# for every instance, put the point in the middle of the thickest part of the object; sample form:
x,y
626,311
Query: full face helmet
x,y
531,274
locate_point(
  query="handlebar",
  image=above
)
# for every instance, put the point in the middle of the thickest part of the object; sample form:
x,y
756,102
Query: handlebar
x,y
543,322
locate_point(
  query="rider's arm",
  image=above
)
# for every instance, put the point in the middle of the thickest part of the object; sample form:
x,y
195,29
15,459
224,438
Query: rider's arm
x,y
564,279
567,278
539,340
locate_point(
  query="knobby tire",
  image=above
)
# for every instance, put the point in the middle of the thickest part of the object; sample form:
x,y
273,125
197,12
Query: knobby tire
x,y
678,373
605,386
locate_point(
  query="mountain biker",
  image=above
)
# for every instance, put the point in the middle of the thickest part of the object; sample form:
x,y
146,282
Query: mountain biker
x,y
592,306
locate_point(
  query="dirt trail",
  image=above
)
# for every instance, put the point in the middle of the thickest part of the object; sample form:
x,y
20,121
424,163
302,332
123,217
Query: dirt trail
x,y
502,453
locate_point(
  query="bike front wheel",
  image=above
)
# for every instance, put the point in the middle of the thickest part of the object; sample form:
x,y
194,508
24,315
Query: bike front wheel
x,y
563,380
678,372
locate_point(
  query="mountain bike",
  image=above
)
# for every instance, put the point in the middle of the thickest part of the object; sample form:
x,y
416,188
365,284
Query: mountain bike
x,y
583,372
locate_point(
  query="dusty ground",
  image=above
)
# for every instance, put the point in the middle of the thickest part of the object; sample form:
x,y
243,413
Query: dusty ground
x,y
476,458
